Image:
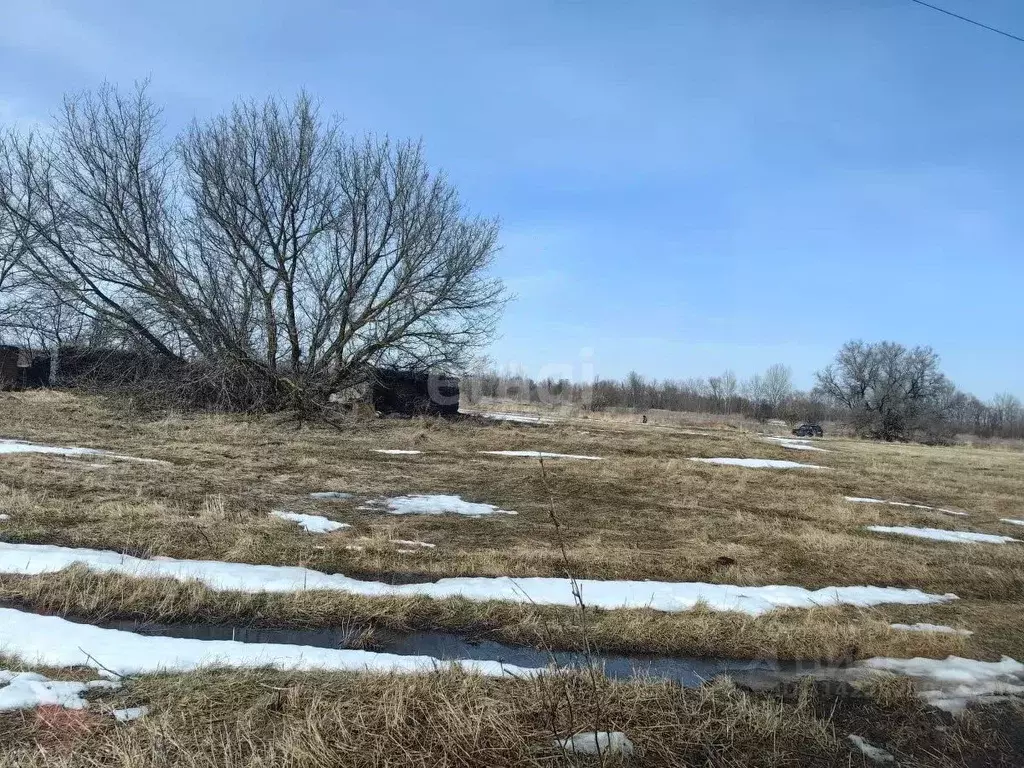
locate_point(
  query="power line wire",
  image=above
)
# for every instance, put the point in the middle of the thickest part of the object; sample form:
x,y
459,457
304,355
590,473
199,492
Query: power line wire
x,y
969,21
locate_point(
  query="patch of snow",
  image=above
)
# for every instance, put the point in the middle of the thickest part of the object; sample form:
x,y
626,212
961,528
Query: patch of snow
x,y
129,714
925,627
5,517
659,595
951,683
27,690
870,751
859,500
542,455
395,451
437,504
19,446
328,495
406,543
407,551
795,444
759,463
520,417
55,642
940,534
1011,522
312,523
354,548
597,743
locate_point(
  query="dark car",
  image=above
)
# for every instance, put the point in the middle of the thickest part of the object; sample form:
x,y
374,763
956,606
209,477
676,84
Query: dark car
x,y
809,430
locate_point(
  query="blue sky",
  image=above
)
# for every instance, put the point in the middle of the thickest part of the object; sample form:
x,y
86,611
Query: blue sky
x,y
684,186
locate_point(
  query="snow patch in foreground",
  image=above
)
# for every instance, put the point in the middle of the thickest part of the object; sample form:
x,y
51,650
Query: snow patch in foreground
x,y
436,504
19,446
870,751
597,743
925,627
330,495
542,455
5,517
28,690
1011,522
132,713
312,523
759,463
951,683
55,642
859,500
941,534
396,452
658,595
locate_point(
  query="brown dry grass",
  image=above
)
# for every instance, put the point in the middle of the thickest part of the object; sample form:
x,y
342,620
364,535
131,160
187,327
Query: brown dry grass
x,y
646,511
262,718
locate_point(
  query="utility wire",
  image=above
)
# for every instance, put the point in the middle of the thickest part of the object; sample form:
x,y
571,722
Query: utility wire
x,y
969,21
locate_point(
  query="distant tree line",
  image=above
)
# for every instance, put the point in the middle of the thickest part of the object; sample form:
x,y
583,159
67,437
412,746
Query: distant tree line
x,y
884,391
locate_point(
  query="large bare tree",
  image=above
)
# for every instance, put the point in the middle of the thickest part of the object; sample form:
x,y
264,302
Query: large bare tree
x,y
889,390
265,240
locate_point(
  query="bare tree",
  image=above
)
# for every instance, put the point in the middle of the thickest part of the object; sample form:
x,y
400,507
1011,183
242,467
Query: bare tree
x,y
264,240
890,391
777,387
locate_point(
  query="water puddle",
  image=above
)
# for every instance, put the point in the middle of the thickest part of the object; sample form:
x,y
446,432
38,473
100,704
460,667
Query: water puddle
x,y
689,672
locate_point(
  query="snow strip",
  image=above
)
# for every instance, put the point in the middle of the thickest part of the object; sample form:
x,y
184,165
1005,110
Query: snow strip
x,y
330,495
312,523
27,690
406,543
870,751
5,517
658,595
940,534
132,713
795,444
542,455
759,463
859,500
925,627
395,451
520,417
19,446
55,642
1011,522
951,683
597,743
436,504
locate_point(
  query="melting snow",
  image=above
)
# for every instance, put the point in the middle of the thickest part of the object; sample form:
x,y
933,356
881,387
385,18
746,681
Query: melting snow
x,y
925,627
940,534
5,517
542,455
870,751
759,463
312,523
859,500
597,743
326,495
19,446
1012,522
795,444
26,690
132,713
658,595
438,504
951,683
406,543
520,417
56,642
396,452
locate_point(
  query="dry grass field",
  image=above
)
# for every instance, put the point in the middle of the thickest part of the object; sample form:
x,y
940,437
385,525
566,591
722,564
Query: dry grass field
x,y
645,511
